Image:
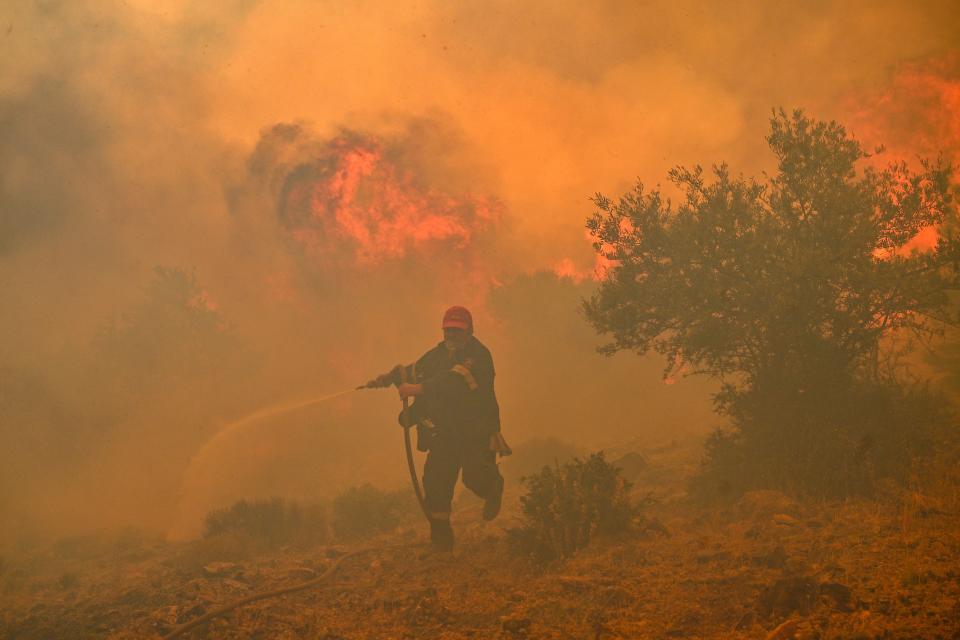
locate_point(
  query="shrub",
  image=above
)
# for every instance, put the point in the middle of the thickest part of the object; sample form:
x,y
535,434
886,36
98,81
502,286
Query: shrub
x,y
843,444
271,522
363,511
567,505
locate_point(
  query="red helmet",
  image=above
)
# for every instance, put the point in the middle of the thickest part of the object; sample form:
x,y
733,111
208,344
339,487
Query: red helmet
x,y
458,317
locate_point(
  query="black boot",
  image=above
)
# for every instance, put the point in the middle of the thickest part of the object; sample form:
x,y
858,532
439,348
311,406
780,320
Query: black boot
x,y
441,535
491,507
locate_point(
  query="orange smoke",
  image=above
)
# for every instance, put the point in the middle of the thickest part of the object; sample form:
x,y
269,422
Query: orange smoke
x,y
357,195
916,115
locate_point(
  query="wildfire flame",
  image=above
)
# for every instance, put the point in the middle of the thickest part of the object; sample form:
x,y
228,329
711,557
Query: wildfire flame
x,y
917,114
357,196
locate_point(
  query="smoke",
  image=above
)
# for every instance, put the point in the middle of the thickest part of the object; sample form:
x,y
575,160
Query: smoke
x,y
317,181
916,114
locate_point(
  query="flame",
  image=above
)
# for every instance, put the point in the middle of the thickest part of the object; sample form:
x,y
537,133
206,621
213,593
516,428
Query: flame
x,y
356,195
916,114
565,268
568,268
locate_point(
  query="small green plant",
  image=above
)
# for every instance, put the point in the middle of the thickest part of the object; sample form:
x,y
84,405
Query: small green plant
x,y
568,505
270,522
363,511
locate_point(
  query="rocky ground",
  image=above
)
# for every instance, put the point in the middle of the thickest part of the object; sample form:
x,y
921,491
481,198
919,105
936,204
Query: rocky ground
x,y
762,567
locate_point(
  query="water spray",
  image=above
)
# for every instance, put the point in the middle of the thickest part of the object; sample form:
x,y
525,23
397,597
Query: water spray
x,y
380,382
190,474
268,412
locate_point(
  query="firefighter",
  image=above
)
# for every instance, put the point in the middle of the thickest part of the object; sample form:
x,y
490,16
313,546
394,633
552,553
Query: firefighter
x,y
457,418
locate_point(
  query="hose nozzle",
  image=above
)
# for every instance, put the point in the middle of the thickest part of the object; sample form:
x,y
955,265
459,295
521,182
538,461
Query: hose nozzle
x,y
385,380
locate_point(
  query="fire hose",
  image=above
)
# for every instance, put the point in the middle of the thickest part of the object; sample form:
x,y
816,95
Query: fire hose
x,y
417,489
414,479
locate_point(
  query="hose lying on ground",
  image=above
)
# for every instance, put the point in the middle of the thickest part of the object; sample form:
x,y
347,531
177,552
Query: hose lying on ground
x,y
179,631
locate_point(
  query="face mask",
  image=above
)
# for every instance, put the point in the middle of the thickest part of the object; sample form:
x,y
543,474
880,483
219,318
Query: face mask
x,y
451,345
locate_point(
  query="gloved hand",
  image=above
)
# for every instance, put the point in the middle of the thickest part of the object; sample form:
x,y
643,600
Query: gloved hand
x,y
385,379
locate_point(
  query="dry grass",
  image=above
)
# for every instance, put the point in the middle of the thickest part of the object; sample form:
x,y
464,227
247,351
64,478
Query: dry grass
x,y
832,570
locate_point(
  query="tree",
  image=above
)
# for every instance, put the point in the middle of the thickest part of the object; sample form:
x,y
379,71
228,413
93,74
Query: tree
x,y
788,290
175,333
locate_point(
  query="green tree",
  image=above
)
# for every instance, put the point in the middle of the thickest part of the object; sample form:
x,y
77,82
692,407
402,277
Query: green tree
x,y
790,291
174,333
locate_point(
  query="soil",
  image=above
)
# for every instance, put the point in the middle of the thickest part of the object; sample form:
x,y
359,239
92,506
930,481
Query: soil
x,y
764,566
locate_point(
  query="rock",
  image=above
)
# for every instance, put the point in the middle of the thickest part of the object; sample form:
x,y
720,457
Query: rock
x,y
784,519
785,631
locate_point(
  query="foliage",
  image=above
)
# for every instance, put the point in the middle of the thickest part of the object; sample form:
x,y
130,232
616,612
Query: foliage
x,y
363,511
788,291
567,505
270,522
842,445
175,332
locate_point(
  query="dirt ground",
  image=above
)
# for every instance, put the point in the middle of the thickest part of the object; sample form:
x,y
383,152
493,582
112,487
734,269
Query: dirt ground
x,y
762,567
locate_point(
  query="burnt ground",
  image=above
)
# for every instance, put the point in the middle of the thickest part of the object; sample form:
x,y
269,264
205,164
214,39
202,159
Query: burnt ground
x,y
762,567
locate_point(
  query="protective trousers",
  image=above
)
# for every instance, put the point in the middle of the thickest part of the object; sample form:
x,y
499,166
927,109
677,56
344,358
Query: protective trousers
x,y
448,455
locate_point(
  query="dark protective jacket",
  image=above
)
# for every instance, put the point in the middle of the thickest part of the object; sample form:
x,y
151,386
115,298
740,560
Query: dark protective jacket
x,y
458,399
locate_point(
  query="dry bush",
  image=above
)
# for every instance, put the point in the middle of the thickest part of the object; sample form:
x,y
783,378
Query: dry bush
x,y
364,511
846,440
568,505
269,523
